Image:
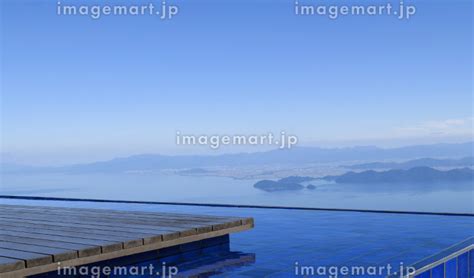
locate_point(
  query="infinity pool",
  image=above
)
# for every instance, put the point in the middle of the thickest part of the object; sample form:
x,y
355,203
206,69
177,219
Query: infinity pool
x,y
284,240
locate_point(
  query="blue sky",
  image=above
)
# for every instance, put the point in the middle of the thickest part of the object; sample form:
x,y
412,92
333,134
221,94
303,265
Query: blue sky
x,y
76,89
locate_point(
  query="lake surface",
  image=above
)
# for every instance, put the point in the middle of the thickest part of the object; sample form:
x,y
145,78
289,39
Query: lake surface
x,y
200,189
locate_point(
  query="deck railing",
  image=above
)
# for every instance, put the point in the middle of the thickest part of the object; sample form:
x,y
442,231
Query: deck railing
x,y
456,261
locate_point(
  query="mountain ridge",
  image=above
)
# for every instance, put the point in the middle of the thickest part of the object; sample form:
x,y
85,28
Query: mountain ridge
x,y
296,155
429,162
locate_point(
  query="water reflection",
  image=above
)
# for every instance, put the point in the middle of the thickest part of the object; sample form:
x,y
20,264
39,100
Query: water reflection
x,y
203,258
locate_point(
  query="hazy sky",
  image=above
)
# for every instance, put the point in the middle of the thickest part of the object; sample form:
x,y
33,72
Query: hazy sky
x,y
76,89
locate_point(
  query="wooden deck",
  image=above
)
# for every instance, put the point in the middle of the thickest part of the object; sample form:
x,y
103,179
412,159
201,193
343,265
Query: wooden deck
x,y
35,239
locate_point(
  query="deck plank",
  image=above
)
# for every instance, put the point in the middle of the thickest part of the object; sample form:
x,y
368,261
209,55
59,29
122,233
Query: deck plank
x,y
128,240
9,264
31,259
59,254
83,250
106,246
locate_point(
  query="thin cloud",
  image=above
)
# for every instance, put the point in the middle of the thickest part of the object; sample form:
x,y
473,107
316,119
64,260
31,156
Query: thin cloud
x,y
449,127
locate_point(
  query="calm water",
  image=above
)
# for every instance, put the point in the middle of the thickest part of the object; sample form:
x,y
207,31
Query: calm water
x,y
319,238
159,187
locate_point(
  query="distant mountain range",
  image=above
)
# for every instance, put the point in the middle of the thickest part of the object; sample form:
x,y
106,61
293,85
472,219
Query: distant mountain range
x,y
415,175
428,162
294,156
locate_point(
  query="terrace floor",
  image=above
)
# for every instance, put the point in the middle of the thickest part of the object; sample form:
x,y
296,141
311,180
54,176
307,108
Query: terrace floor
x,y
34,239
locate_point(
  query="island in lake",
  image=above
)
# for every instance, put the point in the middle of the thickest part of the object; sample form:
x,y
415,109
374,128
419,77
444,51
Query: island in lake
x,y
272,186
414,175
284,184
